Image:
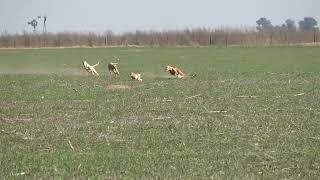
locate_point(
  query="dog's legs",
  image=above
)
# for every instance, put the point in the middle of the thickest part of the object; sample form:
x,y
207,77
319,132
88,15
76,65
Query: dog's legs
x,y
116,71
93,71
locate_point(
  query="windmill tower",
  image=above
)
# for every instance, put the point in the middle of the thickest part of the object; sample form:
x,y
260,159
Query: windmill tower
x,y
44,18
44,23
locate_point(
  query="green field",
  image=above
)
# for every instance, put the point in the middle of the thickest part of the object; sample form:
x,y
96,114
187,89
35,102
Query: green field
x,y
249,113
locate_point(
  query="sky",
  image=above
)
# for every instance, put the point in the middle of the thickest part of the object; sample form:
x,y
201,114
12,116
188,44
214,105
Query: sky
x,y
129,15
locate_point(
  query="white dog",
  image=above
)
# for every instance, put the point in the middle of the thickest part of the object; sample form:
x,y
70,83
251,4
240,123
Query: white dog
x,y
136,76
113,68
90,69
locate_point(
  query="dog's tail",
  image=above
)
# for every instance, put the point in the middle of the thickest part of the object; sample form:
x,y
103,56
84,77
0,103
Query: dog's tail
x,y
188,76
96,64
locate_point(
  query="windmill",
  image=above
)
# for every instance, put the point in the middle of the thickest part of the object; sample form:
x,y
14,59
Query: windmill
x,y
34,24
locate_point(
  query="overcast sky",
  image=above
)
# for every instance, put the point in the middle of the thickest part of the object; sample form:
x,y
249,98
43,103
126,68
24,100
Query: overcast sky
x,y
130,15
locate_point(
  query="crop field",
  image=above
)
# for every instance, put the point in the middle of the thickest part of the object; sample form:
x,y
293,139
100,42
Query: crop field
x,y
241,113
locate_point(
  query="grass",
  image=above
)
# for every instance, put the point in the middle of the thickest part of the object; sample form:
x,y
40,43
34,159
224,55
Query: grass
x,y
250,113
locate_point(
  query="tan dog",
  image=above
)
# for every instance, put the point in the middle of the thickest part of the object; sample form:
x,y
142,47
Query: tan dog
x,y
175,71
136,76
113,68
90,69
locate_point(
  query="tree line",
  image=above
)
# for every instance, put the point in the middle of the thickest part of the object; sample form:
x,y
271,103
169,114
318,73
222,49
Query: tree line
x,y
307,24
265,34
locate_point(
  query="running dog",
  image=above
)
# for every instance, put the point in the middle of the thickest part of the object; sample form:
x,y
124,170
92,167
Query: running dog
x,y
136,76
113,68
175,71
90,69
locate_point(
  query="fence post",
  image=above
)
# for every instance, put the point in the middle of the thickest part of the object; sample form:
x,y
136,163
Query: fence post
x,y
152,41
286,38
136,40
90,41
271,34
58,40
43,43
226,40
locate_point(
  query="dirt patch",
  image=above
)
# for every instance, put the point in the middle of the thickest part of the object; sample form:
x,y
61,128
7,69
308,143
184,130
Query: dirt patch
x,y
118,87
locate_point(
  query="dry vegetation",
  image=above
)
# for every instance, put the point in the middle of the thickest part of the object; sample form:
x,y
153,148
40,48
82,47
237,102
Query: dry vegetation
x,y
187,37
